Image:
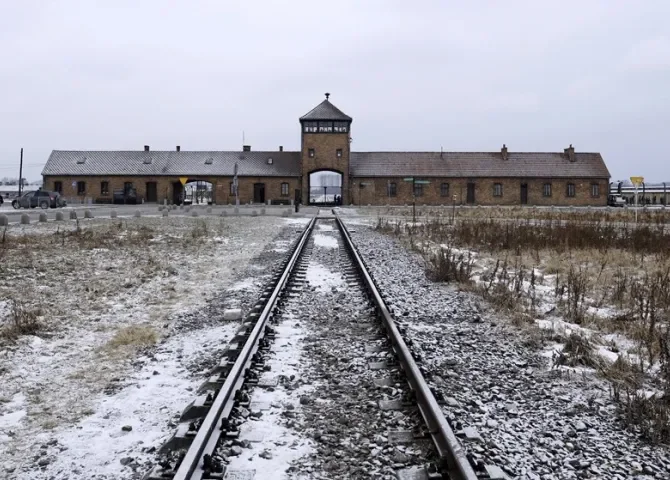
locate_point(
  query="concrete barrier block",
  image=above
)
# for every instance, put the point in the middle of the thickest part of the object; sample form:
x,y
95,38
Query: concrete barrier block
x,y
237,211
209,209
73,214
254,213
262,211
187,209
114,214
25,219
181,207
165,213
223,213
88,214
43,217
60,217
160,208
4,220
138,214
194,213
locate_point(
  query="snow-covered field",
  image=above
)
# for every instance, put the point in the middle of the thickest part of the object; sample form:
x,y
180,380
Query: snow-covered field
x,y
107,329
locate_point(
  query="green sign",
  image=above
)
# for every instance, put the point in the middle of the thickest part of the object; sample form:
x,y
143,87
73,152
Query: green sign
x,y
408,179
422,182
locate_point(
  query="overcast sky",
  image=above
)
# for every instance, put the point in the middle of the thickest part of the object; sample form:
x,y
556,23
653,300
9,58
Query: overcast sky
x,y
465,76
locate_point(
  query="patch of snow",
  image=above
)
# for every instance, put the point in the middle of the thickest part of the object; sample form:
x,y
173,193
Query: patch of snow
x,y
322,278
325,241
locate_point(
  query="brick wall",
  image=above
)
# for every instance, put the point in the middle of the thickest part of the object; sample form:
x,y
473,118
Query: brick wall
x,y
374,191
325,147
165,187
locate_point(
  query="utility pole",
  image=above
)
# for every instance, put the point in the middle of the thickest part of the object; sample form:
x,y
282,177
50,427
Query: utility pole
x,y
21,172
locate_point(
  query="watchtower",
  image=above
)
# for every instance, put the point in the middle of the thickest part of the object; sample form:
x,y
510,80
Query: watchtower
x,y
325,148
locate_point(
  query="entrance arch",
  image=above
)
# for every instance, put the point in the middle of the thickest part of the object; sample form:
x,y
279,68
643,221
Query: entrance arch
x,y
325,187
193,192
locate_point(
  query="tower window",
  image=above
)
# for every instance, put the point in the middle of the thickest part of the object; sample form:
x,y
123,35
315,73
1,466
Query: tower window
x,y
325,127
340,127
310,152
339,153
310,127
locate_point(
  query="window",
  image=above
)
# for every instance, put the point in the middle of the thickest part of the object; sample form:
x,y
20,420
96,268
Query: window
x,y
340,127
284,189
595,190
127,186
546,190
104,188
81,188
571,190
58,187
310,152
497,190
310,127
232,188
418,190
270,161
444,190
392,189
325,127
339,153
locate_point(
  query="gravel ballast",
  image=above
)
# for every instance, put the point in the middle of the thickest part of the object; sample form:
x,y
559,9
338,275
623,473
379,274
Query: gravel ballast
x,y
531,421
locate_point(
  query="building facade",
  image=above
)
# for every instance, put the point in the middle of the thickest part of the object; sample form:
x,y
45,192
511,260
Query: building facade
x,y
374,178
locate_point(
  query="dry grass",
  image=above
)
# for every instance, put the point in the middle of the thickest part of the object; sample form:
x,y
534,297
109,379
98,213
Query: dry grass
x,y
134,336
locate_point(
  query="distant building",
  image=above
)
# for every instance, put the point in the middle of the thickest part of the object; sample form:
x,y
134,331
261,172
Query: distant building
x,y
476,178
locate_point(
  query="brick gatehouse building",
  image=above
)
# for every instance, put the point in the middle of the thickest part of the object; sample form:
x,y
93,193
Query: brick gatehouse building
x,y
378,178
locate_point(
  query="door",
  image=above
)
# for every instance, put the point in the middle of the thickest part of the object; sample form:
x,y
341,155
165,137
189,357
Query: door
x,y
177,191
471,193
152,195
259,193
524,194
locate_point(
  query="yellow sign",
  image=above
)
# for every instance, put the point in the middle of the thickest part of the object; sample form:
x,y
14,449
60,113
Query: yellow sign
x,y
183,180
637,180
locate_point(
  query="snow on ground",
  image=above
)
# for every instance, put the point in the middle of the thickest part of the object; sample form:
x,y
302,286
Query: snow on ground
x,y
104,295
275,447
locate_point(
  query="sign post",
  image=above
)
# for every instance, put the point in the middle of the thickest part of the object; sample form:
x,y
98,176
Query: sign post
x,y
237,196
636,181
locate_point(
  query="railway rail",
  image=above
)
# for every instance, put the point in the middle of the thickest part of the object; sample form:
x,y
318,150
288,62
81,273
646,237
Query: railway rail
x,y
211,418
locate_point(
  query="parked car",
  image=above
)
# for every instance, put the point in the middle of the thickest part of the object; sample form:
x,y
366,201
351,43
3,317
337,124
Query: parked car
x,y
39,198
616,201
1,200
125,196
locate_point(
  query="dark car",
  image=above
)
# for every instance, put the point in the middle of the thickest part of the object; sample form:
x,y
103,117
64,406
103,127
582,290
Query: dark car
x,y
40,198
125,196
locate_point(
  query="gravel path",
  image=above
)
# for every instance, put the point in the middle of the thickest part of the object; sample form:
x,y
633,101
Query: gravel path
x,y
531,421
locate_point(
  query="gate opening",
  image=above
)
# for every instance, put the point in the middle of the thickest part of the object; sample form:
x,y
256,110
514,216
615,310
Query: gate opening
x,y
325,188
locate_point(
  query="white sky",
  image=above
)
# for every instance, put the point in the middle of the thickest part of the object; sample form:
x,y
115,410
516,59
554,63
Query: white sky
x,y
465,76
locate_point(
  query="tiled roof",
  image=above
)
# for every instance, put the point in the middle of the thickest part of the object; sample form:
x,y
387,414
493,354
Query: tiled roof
x,y
325,111
476,164
156,163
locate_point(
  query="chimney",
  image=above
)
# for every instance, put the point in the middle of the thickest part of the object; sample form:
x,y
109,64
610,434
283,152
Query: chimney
x,y
503,152
179,148
570,152
246,148
146,148
281,148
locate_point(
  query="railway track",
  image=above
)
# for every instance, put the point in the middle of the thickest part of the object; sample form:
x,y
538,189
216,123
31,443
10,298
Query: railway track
x,y
384,369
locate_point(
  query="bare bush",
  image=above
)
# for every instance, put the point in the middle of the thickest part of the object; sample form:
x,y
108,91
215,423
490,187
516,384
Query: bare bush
x,y
134,335
22,320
